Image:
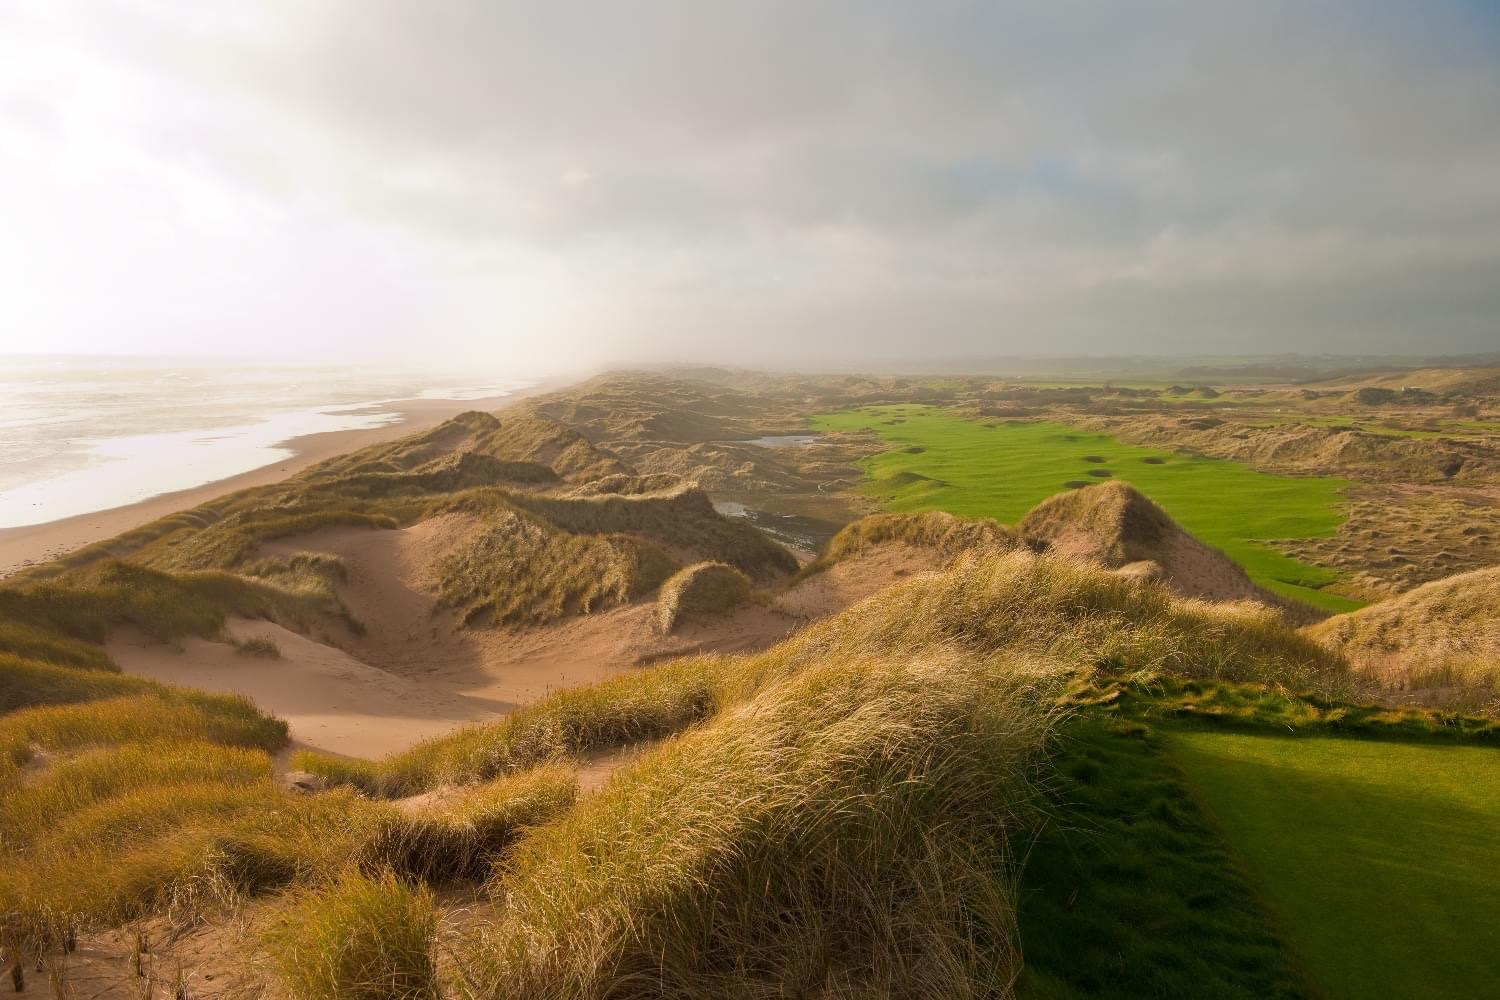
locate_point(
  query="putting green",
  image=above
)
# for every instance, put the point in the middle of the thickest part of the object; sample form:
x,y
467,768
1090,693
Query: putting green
x,y
1381,860
940,461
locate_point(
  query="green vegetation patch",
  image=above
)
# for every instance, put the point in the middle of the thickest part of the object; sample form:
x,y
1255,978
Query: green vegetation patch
x,y
1131,892
1379,858
1003,470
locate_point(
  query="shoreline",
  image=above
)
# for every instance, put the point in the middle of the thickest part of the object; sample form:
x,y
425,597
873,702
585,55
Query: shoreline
x,y
32,544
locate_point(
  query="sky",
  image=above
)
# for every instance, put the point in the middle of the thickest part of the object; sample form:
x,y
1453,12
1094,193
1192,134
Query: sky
x,y
558,184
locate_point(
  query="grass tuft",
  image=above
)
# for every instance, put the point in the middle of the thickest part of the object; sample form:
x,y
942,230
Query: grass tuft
x,y
365,937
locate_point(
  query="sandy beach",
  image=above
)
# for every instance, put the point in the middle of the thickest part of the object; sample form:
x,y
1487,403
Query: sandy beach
x,y
25,546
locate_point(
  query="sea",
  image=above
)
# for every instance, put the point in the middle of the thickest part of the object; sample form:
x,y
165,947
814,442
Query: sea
x,y
82,434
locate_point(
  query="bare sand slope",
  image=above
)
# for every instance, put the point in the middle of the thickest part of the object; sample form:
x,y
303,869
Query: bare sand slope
x,y
414,674
331,700
391,589
851,580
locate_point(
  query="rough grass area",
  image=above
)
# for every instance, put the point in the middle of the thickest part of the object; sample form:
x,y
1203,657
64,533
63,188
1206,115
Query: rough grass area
x,y
1223,705
87,603
521,571
1441,635
701,590
459,836
365,937
1378,858
1130,891
949,536
1001,470
846,831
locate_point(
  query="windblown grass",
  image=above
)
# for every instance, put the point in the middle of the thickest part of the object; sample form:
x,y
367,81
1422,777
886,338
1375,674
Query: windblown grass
x,y
365,937
460,837
88,603
1443,634
847,830
161,716
28,641
521,571
618,712
681,520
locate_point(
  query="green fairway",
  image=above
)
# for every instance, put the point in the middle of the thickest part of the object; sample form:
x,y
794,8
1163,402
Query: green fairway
x,y
1380,860
1001,470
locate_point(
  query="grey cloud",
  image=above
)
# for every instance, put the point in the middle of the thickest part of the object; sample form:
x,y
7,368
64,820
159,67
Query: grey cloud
x,y
974,170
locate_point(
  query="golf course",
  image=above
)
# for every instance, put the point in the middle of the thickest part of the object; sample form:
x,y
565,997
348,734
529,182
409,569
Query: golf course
x,y
941,461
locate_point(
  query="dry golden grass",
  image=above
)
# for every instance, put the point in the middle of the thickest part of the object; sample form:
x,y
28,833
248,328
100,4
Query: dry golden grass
x,y
365,937
1442,635
521,570
847,831
949,536
461,835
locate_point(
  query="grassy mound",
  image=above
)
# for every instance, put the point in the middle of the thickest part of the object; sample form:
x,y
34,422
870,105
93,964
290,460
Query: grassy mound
x,y
1040,608
701,590
1116,525
847,829
1443,634
460,837
934,529
680,520
522,570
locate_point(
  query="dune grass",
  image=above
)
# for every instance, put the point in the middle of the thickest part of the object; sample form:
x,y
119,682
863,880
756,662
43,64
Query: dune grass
x,y
365,937
519,570
1002,470
461,836
700,590
1039,607
1378,858
618,712
1130,890
949,536
845,831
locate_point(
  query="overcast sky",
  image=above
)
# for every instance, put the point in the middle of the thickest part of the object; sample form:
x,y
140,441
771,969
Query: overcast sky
x,y
561,183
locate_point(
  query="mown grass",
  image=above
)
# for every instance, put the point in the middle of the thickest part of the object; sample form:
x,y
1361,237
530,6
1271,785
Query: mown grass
x,y
1002,470
1378,858
1130,890
365,937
